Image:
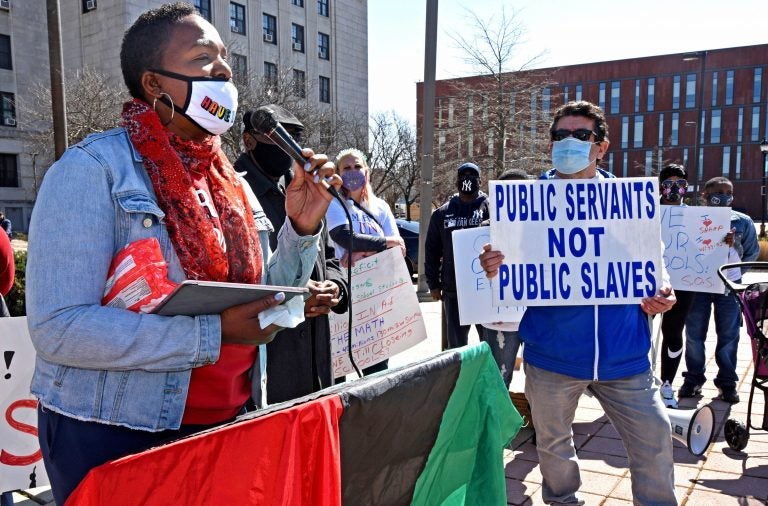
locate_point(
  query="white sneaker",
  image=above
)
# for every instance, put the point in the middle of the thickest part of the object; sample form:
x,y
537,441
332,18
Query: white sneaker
x,y
668,395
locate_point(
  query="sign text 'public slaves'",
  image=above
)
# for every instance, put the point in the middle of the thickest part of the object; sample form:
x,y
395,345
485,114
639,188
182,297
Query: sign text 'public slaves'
x,y
576,241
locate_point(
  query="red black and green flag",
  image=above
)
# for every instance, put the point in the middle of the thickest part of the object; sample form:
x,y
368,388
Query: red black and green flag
x,y
425,434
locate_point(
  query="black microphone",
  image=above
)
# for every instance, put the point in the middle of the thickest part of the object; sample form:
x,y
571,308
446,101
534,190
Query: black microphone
x,y
264,122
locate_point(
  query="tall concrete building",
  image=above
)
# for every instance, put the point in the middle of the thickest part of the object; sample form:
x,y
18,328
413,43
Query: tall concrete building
x,y
297,38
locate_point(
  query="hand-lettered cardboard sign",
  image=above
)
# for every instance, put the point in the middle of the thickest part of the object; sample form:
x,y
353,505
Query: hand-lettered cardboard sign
x,y
576,241
473,288
386,317
694,247
21,463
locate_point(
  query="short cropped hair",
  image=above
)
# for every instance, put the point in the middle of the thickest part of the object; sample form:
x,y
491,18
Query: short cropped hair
x,y
672,169
514,174
146,40
585,109
716,181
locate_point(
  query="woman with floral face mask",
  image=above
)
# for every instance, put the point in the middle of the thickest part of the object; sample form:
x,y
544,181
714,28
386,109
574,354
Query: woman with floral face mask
x,y
110,381
373,224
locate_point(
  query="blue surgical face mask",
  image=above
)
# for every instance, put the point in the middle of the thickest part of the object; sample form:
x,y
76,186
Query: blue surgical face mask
x,y
719,199
571,155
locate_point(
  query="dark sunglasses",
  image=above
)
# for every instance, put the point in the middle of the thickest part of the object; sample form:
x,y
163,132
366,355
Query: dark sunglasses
x,y
582,134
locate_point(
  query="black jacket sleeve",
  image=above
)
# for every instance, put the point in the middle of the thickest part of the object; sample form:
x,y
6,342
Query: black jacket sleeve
x,y
433,250
360,242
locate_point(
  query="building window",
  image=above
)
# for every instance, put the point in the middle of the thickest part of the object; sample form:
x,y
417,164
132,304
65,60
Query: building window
x,y
441,145
566,92
690,91
624,163
6,62
325,90
298,3
270,72
758,85
450,112
661,129
729,87
638,140
204,8
323,46
755,122
726,161
489,140
675,128
740,125
648,163
651,93
89,5
676,92
299,83
239,65
601,96
485,111
610,163
700,165
470,144
714,128
269,27
237,18
637,95
615,97
578,92
9,174
297,37
738,162
8,109
625,132
702,126
534,112
545,102
322,7
685,157
439,113
714,88
470,108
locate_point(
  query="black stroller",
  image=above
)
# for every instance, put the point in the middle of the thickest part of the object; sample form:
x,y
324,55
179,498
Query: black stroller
x,y
753,300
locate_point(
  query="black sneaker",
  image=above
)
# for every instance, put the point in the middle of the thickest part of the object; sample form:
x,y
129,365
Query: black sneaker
x,y
729,395
689,390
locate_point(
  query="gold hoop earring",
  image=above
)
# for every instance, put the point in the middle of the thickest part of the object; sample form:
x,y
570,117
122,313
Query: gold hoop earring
x,y
173,107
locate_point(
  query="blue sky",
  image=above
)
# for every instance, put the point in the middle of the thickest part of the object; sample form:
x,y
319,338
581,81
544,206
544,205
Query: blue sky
x,y
606,30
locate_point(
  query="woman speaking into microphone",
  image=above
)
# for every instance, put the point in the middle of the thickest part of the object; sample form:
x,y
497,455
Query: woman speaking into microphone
x,y
110,381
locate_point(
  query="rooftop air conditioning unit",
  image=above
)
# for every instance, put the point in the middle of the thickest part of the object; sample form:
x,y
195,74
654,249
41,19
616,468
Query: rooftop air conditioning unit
x,y
9,122
5,4
297,46
90,4
268,37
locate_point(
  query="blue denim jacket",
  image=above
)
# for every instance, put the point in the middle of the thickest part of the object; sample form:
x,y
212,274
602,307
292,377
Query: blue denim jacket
x,y
106,364
745,239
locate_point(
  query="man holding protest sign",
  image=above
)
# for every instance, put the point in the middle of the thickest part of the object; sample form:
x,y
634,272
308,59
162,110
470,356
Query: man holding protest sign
x,y
601,348
466,209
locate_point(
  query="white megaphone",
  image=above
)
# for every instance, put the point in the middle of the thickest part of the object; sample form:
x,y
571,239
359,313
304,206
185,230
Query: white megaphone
x,y
693,427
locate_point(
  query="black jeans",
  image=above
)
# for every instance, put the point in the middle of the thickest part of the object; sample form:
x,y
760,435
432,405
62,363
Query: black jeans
x,y
672,324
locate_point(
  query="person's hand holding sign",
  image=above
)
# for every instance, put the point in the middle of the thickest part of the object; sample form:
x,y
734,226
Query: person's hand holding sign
x,y
659,303
490,261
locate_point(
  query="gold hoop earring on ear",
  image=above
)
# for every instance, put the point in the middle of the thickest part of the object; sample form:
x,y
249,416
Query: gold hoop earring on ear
x,y
173,107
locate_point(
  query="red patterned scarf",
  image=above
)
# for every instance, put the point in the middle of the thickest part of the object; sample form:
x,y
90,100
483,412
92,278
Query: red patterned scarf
x,y
168,160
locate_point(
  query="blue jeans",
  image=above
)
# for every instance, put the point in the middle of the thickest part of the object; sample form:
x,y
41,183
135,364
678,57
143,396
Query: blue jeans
x,y
635,409
504,346
727,324
457,334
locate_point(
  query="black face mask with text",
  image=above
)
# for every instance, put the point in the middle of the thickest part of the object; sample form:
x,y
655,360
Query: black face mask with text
x,y
468,185
273,161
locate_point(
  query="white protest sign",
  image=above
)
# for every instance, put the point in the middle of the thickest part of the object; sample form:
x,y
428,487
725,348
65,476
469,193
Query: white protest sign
x,y
472,287
21,463
576,241
386,317
693,246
